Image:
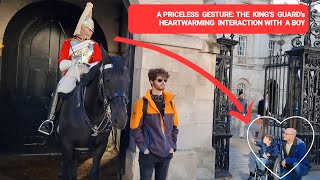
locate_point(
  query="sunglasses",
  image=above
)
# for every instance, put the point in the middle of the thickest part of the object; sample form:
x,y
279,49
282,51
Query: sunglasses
x,y
160,80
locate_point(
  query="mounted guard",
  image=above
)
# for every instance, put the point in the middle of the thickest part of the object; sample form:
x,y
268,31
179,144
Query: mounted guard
x,y
77,56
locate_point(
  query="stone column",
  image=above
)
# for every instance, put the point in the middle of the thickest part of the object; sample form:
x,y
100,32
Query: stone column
x,y
195,158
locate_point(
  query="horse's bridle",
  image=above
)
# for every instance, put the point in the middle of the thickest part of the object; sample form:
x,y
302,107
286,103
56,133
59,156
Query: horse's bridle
x,y
102,90
106,105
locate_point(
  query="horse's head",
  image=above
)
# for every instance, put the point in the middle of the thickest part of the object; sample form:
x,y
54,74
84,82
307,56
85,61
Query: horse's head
x,y
115,77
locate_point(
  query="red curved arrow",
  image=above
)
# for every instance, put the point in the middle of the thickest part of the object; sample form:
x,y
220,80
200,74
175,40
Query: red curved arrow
x,y
198,69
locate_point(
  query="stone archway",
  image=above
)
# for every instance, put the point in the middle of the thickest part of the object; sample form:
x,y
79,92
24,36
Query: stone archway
x,y
32,41
29,71
244,85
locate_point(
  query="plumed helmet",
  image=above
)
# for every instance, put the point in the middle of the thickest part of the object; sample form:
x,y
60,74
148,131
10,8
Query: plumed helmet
x,y
85,19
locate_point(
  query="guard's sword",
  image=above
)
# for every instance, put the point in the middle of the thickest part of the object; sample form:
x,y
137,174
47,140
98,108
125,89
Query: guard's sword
x,y
65,35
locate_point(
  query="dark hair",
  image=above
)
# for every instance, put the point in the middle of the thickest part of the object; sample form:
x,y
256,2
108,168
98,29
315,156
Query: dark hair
x,y
240,92
269,137
154,73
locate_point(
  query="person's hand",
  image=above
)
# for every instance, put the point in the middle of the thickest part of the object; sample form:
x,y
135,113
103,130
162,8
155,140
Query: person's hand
x,y
283,163
146,151
171,150
268,155
265,156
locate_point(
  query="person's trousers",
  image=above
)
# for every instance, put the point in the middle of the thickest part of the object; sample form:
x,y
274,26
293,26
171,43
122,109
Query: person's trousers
x,y
241,124
296,173
150,162
241,132
261,165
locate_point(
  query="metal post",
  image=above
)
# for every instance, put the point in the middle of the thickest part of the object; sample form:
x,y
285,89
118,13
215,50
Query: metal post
x,y
221,121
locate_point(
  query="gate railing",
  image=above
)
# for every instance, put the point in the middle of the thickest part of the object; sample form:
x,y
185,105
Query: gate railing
x,y
292,82
221,121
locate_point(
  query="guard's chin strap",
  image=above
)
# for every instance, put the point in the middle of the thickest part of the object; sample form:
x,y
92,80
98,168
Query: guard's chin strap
x,y
81,39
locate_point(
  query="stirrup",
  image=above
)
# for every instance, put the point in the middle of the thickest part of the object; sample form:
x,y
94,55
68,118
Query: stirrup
x,y
48,120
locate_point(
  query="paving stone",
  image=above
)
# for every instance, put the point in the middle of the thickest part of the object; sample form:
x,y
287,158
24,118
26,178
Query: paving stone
x,y
242,159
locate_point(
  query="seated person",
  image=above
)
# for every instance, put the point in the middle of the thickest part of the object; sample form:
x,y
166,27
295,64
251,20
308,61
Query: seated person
x,y
294,150
269,151
75,56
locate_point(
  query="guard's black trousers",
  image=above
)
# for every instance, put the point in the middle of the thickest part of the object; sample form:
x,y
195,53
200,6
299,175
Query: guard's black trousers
x,y
150,162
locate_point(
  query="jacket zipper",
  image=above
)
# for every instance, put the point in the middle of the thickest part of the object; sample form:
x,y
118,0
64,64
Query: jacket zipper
x,y
164,134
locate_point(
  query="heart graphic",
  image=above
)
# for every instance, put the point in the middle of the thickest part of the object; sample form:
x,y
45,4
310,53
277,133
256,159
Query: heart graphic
x,y
280,123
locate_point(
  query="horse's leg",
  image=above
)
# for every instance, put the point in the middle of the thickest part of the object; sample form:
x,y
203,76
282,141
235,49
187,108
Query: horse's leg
x,y
76,156
58,146
67,154
60,171
60,168
97,155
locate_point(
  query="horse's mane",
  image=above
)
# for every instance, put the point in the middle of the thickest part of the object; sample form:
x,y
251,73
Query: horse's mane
x,y
118,64
86,79
116,61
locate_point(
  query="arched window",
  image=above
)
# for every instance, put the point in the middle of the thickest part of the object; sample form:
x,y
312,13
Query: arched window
x,y
241,87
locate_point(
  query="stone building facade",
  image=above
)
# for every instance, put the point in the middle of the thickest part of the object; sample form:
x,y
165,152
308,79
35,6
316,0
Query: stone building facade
x,y
251,54
194,97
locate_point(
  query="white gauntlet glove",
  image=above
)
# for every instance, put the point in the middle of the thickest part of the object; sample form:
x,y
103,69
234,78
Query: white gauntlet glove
x,y
65,65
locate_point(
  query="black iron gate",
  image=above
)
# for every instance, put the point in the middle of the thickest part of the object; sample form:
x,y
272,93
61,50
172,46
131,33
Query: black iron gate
x,y
292,82
221,120
276,93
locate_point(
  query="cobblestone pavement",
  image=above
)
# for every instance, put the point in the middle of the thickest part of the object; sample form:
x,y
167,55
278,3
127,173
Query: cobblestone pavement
x,y
242,159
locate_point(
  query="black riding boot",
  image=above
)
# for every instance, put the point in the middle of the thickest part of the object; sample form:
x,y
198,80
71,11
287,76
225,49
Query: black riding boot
x,y
47,126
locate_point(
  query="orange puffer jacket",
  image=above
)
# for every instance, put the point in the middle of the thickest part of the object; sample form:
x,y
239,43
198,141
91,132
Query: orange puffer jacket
x,y
152,130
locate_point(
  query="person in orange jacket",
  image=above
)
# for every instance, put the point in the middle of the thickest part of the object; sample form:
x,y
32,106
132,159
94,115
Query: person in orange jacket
x,y
77,55
154,127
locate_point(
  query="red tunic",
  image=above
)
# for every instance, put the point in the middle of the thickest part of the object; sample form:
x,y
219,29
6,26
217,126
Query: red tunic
x,y
64,53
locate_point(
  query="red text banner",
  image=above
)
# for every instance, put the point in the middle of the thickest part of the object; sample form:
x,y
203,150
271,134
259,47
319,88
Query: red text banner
x,y
212,19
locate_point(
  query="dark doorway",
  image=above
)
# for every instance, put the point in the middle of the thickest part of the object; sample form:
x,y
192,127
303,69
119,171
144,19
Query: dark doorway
x,y
29,72
273,94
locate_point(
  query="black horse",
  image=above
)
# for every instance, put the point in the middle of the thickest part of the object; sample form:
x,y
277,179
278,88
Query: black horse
x,y
97,104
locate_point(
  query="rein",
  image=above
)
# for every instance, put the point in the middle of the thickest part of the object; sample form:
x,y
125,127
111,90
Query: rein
x,y
106,105
106,115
